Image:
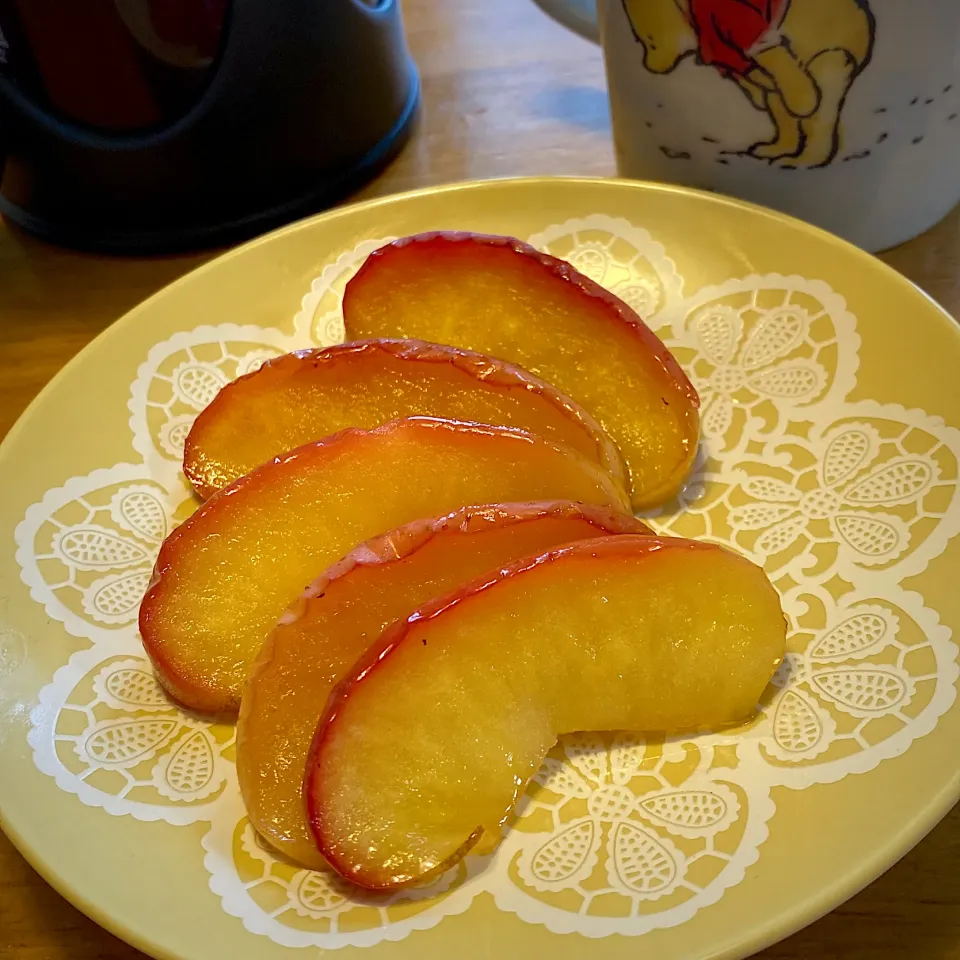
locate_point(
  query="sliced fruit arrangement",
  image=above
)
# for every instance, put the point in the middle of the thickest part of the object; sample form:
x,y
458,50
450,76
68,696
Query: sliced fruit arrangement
x,y
311,394
435,733
396,697
223,578
504,298
346,610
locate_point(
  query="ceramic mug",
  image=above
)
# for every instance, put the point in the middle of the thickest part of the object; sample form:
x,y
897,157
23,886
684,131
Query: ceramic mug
x,y
841,112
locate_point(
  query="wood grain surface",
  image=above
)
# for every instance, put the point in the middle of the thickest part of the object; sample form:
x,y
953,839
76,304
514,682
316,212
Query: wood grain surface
x,y
506,92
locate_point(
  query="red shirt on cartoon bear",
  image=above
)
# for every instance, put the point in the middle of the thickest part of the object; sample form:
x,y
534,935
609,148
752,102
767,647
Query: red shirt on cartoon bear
x,y
730,31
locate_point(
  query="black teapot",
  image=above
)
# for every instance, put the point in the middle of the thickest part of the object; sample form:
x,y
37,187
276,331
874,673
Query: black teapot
x,y
149,125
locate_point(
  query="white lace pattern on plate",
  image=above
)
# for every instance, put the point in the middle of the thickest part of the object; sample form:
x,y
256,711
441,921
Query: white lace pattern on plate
x,y
838,500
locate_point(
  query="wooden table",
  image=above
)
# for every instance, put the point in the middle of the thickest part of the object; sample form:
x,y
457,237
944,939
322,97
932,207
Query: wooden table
x,y
505,92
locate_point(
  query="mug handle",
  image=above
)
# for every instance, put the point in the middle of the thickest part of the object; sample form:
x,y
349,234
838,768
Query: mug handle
x,y
580,16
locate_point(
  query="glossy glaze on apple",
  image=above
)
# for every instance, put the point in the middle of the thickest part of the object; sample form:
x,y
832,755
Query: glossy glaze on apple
x,y
435,733
311,394
345,610
224,576
504,298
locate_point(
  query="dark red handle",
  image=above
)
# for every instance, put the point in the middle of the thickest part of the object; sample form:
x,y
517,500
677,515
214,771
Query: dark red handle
x,y
112,64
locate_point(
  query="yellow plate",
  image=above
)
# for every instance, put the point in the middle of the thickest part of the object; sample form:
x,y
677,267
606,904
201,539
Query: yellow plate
x,y
829,394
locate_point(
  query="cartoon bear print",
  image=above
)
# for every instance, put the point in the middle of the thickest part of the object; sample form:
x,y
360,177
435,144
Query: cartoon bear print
x,y
794,59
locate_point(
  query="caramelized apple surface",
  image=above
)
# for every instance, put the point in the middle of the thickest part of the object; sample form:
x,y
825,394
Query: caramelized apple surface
x,y
312,394
504,298
224,576
345,610
432,737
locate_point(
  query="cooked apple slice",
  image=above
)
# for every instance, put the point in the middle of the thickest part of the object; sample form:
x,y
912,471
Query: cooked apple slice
x,y
224,576
504,298
345,610
435,732
312,394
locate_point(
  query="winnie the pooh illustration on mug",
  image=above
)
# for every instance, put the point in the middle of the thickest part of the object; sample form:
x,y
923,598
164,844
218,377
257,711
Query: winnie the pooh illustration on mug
x,y
779,54
842,112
